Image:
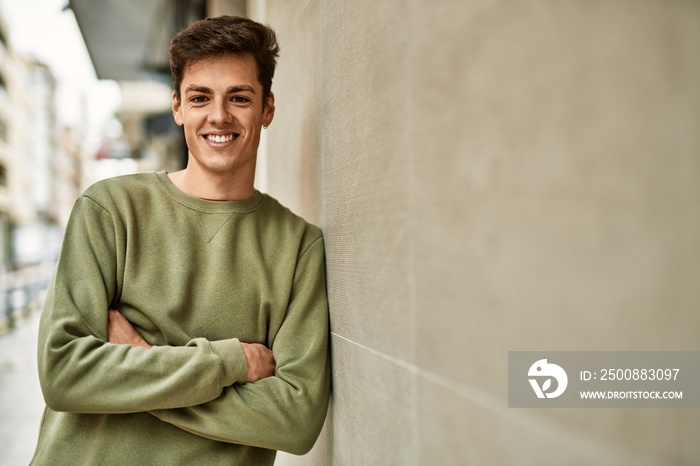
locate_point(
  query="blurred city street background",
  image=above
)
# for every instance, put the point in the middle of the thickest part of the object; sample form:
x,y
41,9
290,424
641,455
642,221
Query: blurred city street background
x,y
63,126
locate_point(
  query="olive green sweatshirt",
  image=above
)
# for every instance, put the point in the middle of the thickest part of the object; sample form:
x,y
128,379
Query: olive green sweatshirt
x,y
195,278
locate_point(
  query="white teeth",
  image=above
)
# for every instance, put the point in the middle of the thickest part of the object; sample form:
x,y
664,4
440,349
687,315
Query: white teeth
x,y
220,138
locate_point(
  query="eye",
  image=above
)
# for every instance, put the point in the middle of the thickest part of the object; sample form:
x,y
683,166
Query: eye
x,y
198,99
239,99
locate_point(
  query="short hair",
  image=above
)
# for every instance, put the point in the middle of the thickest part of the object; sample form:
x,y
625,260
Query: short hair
x,y
220,36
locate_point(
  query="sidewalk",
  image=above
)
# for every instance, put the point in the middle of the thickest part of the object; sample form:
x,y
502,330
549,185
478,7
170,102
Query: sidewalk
x,y
21,402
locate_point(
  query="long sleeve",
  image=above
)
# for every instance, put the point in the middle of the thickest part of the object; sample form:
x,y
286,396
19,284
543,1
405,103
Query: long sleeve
x,y
80,371
286,411
195,278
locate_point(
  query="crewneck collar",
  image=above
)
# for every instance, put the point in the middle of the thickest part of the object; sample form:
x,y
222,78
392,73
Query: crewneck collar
x,y
204,205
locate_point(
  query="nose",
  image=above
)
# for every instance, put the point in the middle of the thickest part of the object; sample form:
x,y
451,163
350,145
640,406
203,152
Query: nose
x,y
220,113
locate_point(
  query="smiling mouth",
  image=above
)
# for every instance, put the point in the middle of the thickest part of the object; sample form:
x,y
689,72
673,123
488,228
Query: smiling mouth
x,y
221,137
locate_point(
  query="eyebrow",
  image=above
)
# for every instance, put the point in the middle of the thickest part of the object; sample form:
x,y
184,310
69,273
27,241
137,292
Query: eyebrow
x,y
241,88
230,90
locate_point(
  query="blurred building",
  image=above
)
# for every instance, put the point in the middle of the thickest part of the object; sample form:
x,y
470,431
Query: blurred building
x,y
30,182
40,163
27,122
35,231
68,172
5,114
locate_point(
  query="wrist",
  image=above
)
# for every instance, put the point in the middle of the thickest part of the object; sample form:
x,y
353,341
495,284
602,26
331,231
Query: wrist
x,y
233,360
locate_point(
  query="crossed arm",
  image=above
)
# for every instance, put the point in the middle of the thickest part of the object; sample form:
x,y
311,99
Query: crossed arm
x,y
86,366
260,360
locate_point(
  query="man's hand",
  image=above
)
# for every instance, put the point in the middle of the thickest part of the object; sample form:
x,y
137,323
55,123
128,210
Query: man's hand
x,y
261,362
121,332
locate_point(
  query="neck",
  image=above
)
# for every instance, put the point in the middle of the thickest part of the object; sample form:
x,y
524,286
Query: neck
x,y
212,187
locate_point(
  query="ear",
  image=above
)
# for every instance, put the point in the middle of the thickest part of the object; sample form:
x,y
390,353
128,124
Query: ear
x,y
176,109
269,109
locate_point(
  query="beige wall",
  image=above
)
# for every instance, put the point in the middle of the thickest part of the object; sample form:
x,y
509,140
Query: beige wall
x,y
492,176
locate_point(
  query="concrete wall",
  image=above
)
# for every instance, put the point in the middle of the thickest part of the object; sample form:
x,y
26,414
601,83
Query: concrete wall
x,y
492,176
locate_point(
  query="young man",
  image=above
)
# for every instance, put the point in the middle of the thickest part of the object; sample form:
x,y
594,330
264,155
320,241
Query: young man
x,y
187,322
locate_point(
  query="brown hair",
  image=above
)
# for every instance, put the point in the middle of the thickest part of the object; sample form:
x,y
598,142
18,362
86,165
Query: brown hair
x,y
220,36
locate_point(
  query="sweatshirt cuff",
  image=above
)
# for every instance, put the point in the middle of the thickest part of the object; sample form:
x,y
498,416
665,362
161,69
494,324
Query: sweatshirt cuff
x,y
235,366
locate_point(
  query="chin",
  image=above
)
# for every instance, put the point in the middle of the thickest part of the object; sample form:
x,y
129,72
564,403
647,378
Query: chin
x,y
224,167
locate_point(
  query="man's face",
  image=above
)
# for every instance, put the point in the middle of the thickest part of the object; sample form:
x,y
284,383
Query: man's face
x,y
222,111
